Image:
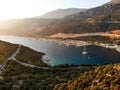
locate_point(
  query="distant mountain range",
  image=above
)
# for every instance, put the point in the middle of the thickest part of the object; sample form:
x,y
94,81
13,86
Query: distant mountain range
x,y
31,26
24,26
61,13
100,19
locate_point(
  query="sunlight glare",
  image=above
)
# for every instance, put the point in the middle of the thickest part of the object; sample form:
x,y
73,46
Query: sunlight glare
x,y
10,9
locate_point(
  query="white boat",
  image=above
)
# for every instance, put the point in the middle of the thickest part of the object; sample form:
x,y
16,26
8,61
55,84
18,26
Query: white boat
x,y
84,51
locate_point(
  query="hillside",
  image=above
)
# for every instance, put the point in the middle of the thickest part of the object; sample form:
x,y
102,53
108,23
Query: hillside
x,y
104,18
100,19
61,13
24,26
31,26
6,49
33,57
20,74
105,77
19,77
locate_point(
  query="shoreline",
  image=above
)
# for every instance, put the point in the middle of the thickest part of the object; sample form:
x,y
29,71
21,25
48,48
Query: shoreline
x,y
117,48
76,43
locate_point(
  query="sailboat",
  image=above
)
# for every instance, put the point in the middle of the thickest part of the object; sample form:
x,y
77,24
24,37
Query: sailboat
x,y
84,51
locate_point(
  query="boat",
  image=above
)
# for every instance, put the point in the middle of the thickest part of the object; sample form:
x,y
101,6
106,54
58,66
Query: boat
x,y
89,57
84,51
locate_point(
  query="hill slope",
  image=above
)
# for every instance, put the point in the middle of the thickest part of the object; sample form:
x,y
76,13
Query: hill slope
x,y
100,19
60,13
102,78
24,26
31,26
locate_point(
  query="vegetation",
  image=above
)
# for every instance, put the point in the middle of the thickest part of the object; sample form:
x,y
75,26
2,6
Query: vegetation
x,y
95,39
15,76
73,65
6,50
99,39
104,77
30,56
18,77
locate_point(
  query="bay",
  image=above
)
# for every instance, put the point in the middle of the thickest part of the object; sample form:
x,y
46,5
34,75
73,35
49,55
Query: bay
x,y
60,54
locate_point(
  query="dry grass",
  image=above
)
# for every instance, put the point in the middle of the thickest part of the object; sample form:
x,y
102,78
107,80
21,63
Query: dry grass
x,y
116,32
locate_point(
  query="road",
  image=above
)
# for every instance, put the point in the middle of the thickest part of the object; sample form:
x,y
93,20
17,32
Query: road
x,y
30,65
12,57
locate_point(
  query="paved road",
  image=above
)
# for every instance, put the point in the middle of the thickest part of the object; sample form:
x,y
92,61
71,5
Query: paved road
x,y
12,57
30,65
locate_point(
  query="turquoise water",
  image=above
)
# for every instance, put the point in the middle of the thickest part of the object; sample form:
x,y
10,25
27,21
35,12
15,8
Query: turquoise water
x,y
61,54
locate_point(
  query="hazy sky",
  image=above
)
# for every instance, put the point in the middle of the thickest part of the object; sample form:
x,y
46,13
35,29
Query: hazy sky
x,y
27,8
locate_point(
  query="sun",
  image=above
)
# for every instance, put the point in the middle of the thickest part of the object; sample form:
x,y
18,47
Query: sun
x,y
11,9
7,9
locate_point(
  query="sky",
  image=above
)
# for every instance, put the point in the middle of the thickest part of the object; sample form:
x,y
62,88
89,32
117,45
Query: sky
x,y
10,9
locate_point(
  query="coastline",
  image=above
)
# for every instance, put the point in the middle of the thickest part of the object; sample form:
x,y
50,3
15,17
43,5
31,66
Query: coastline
x,y
76,43
116,47
69,43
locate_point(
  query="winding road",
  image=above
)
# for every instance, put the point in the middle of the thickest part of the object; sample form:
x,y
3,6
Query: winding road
x,y
12,57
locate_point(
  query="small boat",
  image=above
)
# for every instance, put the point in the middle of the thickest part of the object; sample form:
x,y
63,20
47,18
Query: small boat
x,y
84,51
89,57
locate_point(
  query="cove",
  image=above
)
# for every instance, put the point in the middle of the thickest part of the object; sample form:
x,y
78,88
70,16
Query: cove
x,y
61,54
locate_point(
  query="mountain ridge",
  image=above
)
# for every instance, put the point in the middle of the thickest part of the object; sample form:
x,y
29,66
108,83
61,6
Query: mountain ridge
x,y
61,13
30,26
99,19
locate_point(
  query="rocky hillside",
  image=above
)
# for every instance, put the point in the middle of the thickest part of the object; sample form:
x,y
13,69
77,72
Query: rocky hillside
x,y
100,19
31,26
102,78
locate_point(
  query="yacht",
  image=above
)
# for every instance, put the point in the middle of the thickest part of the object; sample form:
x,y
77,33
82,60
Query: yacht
x,y
84,51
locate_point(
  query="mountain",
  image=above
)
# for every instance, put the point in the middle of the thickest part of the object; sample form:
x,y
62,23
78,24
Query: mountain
x,y
24,26
116,1
100,19
104,18
60,13
32,26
